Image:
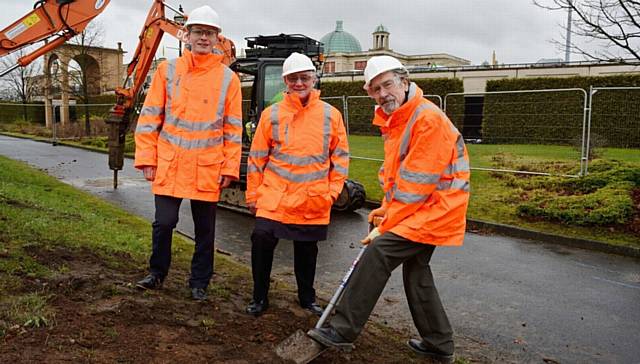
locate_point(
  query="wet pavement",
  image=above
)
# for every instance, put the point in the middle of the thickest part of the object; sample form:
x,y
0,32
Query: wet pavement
x,y
533,301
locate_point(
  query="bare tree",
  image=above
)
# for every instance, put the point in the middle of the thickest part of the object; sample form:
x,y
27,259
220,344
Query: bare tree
x,y
611,28
81,74
21,84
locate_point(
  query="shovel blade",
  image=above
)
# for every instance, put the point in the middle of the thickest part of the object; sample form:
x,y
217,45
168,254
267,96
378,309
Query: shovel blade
x,y
299,348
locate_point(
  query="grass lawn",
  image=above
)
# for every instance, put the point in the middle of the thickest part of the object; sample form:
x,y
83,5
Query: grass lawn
x,y
491,198
67,263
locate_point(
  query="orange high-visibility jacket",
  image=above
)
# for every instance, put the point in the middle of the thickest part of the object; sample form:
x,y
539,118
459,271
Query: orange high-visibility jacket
x,y
425,174
298,162
190,127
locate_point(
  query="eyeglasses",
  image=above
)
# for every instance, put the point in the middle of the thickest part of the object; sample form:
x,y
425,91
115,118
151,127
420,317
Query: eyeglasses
x,y
210,33
303,78
387,85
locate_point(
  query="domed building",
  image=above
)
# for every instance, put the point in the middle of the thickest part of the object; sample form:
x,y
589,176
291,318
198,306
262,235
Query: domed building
x,y
343,52
340,41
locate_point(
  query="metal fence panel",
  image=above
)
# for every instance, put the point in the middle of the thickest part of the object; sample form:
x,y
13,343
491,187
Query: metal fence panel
x,y
530,131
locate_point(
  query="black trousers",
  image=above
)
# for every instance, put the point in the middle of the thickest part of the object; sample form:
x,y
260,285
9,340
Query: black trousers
x,y
369,278
166,219
305,253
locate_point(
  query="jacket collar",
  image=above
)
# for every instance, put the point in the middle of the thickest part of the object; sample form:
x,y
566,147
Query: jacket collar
x,y
292,100
402,114
201,61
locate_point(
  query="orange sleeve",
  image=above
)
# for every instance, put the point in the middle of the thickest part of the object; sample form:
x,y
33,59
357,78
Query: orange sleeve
x,y
339,153
151,120
258,155
232,129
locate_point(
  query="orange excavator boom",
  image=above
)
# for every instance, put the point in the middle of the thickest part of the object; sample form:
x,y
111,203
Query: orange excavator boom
x,y
54,21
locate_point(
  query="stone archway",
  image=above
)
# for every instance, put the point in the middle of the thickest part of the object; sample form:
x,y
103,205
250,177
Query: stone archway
x,y
102,69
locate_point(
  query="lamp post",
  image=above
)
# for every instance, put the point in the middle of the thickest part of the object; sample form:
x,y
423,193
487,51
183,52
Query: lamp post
x,y
179,18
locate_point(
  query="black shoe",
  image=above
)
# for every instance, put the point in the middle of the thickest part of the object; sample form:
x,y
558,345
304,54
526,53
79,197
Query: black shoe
x,y
199,294
257,308
419,348
314,308
150,282
328,336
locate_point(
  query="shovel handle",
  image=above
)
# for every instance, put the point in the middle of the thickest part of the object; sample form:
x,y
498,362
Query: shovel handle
x,y
338,294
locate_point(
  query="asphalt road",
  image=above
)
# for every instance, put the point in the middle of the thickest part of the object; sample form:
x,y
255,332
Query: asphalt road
x,y
530,300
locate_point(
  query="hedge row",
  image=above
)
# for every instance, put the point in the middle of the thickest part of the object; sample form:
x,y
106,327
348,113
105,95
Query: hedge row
x,y
557,117
12,112
360,109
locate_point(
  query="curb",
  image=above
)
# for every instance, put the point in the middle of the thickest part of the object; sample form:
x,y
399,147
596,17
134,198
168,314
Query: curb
x,y
474,225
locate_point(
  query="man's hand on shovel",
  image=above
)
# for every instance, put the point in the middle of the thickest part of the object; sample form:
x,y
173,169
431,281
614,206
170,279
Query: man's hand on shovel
x,y
374,233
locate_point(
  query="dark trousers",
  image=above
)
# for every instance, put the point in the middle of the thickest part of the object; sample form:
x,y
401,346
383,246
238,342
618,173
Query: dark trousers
x,y
369,278
166,219
305,253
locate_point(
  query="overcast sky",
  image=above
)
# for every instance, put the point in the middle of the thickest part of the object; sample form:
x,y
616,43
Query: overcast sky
x,y
517,30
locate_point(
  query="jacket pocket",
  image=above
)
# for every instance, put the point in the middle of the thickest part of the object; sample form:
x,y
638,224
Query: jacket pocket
x,y
165,158
269,197
208,172
318,201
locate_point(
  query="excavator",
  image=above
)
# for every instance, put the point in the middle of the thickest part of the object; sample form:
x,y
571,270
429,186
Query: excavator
x,y
56,21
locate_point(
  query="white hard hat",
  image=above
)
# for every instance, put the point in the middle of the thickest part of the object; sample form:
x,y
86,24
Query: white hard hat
x,y
297,62
204,15
378,65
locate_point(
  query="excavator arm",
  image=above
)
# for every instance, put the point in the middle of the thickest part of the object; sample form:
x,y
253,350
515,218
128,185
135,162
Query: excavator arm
x,y
52,21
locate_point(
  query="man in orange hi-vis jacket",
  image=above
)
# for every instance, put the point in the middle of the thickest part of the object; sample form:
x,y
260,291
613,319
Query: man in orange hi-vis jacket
x,y
425,178
188,143
297,166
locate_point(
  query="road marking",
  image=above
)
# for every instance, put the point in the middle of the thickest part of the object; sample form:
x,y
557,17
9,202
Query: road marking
x,y
616,282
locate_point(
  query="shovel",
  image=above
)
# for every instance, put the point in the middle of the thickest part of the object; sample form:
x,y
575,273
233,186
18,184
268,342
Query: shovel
x,y
299,347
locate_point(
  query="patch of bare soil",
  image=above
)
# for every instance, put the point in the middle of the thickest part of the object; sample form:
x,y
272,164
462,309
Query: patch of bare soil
x,y
101,318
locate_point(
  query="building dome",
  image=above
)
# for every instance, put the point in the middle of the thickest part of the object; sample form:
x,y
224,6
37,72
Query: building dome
x,y
340,41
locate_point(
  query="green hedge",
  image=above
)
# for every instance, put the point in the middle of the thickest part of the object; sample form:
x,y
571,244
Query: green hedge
x,y
12,112
360,110
557,117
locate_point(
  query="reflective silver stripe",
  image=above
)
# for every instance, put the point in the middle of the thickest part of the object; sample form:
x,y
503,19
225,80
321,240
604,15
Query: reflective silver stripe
x,y
407,197
298,161
232,121
274,123
303,177
381,176
193,125
191,144
228,137
226,81
459,165
417,177
460,146
454,184
171,72
216,51
252,168
327,129
152,111
258,153
412,90
387,196
340,169
147,128
340,153
406,137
